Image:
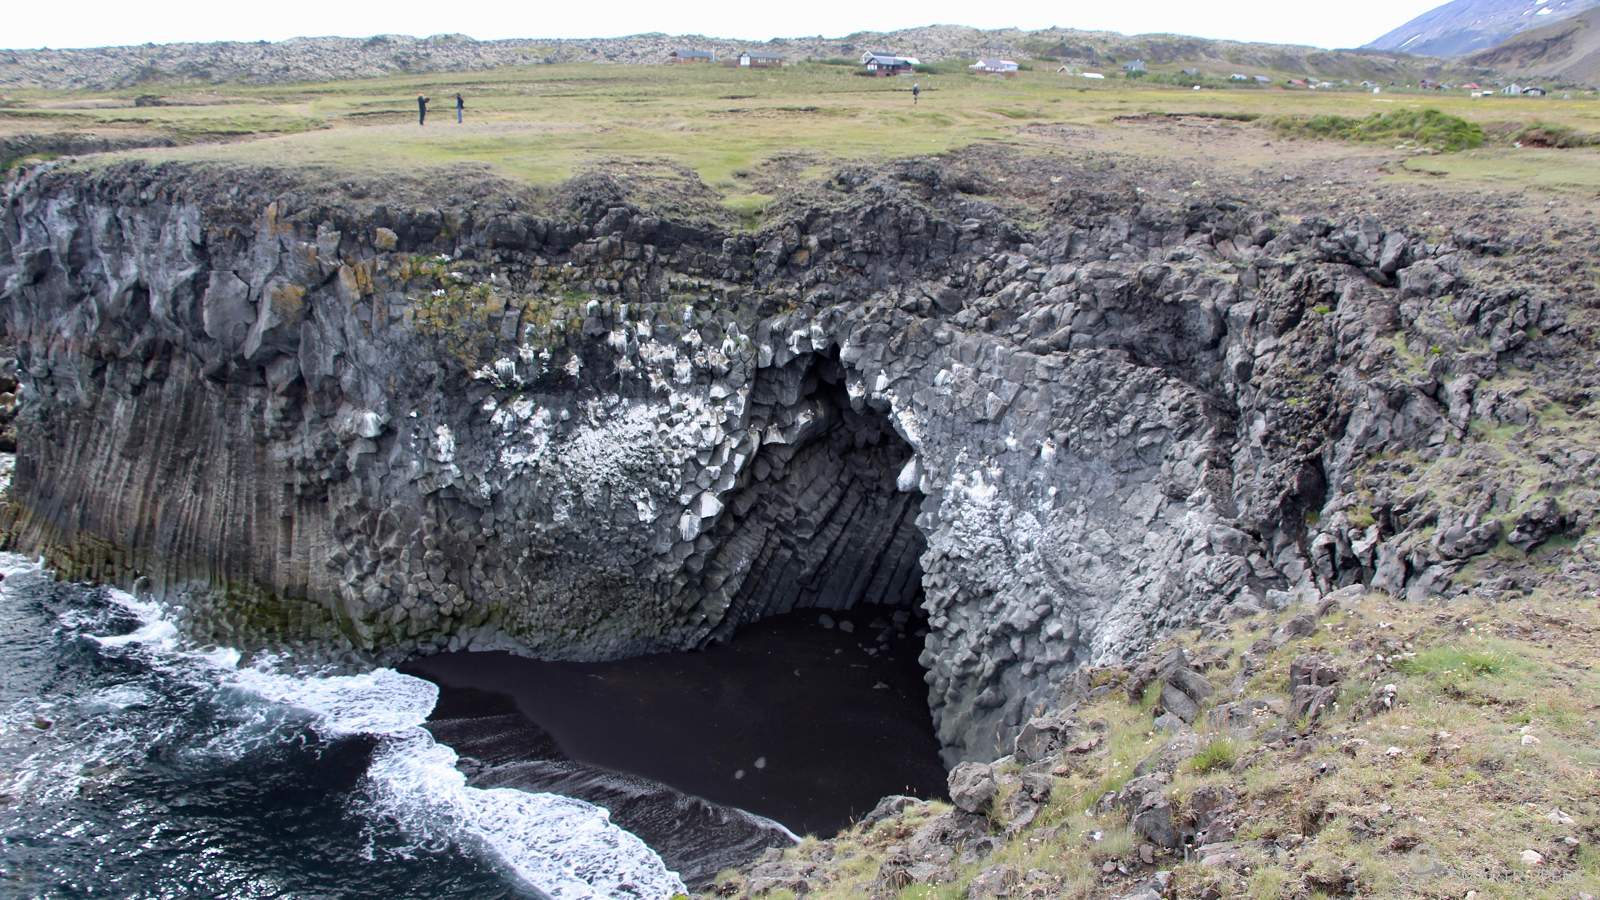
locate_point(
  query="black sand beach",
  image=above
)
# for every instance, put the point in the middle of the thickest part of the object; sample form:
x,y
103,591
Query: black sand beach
x,y
804,724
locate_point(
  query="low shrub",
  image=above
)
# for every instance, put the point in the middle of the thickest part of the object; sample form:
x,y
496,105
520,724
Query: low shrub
x,y
1428,127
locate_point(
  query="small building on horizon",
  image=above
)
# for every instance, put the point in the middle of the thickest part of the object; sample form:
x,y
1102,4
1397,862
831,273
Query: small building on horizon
x,y
751,59
1134,67
876,63
685,55
995,67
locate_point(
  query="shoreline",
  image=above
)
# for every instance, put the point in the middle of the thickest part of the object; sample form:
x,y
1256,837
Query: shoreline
x,y
705,755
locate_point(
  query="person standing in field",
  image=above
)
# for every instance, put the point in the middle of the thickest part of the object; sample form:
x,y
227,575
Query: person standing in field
x,y
460,105
422,110
916,91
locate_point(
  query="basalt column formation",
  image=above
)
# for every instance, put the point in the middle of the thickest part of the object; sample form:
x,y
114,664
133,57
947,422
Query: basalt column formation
x,y
579,430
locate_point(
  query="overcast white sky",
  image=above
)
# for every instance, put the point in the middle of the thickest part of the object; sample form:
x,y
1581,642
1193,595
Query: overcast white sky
x,y
93,23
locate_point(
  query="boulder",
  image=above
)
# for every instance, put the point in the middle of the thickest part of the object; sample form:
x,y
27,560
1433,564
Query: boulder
x,y
1313,669
995,881
972,786
1303,625
1044,735
1152,820
1242,715
1461,540
1134,792
1211,812
955,836
1313,686
1538,524
1182,691
888,808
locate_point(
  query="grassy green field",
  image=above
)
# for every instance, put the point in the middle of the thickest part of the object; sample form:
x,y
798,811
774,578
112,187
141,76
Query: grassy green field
x,y
541,124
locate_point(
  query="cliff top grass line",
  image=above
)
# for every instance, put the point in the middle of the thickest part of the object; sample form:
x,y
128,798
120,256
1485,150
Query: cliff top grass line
x,y
739,138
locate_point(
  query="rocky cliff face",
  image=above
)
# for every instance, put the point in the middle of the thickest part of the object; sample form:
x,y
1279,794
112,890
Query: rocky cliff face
x,y
584,432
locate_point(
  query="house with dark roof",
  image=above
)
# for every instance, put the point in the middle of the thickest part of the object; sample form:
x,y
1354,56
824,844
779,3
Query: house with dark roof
x,y
875,63
682,55
753,59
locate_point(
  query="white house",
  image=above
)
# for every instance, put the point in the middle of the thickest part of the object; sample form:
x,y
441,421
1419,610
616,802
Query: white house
x,y
995,66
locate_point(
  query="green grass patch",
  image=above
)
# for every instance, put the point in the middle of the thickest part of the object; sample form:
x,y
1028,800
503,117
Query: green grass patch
x,y
1557,171
946,67
1220,753
1424,127
749,208
1454,660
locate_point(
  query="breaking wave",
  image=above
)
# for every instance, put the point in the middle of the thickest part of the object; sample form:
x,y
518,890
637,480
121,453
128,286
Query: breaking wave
x,y
559,847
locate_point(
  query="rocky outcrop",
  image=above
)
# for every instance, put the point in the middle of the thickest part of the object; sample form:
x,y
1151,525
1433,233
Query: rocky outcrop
x,y
14,147
304,59
581,431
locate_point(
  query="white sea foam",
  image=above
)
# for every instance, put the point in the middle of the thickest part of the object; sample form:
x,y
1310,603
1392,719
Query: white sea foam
x,y
566,848
120,697
380,702
159,634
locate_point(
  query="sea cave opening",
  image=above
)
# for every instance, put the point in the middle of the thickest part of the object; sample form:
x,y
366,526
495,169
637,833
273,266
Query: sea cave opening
x,y
826,517
808,702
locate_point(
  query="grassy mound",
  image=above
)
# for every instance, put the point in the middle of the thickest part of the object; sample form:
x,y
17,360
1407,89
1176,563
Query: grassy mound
x,y
1426,128
1545,134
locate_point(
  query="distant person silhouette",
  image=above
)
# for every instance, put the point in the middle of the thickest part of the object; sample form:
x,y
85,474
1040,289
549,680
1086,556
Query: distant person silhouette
x,y
422,110
916,91
460,105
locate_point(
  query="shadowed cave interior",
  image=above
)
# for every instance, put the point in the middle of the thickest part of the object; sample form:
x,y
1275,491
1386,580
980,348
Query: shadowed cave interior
x,y
808,704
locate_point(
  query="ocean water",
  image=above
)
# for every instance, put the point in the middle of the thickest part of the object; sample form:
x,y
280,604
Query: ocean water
x,y
134,763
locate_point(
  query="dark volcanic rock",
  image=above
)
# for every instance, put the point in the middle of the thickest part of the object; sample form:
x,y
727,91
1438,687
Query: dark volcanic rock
x,y
972,786
1313,686
586,432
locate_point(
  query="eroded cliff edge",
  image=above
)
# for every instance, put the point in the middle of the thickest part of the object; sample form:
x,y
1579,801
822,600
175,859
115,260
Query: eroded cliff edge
x,y
582,430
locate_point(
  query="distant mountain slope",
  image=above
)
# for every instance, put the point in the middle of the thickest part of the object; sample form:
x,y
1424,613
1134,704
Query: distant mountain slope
x,y
335,58
1466,26
1568,50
